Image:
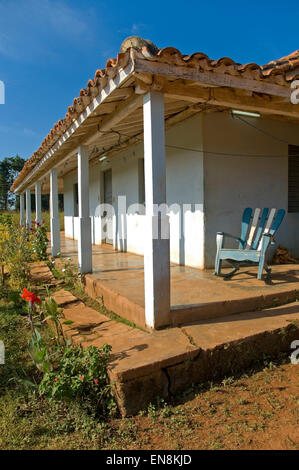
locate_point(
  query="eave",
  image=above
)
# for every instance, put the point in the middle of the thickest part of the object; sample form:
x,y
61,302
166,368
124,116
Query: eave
x,y
112,121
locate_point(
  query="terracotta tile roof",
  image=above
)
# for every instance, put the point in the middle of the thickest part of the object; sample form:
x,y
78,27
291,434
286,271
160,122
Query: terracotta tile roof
x,y
279,71
289,63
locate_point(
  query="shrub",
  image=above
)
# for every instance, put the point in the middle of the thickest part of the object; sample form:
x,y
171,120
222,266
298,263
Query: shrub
x,y
81,374
16,254
18,248
70,372
39,241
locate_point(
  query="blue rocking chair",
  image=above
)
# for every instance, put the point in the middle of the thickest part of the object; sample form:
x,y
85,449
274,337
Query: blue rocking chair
x,y
253,243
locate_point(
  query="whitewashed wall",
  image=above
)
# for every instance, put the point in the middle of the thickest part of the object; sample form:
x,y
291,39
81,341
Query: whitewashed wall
x,y
184,186
218,187
233,183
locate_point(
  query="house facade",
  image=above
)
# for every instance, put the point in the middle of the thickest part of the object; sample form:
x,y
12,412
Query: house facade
x,y
230,166
161,151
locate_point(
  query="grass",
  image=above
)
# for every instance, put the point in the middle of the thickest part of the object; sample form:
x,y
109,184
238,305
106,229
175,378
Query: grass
x,y
45,216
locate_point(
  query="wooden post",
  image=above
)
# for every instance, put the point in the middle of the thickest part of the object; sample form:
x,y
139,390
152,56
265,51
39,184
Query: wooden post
x,y
28,208
54,213
84,238
156,253
38,202
22,210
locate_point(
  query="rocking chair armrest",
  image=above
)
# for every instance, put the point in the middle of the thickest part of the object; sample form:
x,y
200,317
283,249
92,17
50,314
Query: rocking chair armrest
x,y
228,235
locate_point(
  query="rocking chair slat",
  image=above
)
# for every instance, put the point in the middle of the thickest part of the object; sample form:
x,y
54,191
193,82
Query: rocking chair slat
x,y
254,224
277,221
260,228
270,220
245,224
268,226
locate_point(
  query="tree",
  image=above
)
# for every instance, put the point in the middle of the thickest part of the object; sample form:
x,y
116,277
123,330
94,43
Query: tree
x,y
9,168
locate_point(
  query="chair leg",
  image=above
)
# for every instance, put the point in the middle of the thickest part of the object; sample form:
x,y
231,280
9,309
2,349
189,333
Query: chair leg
x,y
261,267
218,263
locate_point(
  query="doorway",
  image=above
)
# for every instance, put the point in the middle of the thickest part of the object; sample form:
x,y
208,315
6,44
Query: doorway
x,y
107,215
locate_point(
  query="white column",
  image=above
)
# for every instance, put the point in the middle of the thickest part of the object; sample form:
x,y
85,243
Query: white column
x,y
38,202
84,237
156,253
28,208
54,214
22,210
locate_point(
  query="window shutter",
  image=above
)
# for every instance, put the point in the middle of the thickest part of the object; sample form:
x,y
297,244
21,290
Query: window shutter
x,y
293,180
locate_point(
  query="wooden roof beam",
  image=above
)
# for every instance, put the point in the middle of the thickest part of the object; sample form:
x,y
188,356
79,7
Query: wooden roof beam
x,y
210,78
231,99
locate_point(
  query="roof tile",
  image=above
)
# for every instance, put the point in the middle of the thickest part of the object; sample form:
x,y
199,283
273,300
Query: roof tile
x,y
287,67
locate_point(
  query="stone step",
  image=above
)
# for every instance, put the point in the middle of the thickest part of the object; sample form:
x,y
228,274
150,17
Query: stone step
x,y
145,365
63,297
41,274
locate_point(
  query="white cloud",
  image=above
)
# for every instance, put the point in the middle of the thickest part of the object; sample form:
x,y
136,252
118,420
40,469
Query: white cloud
x,y
32,28
17,131
135,29
29,132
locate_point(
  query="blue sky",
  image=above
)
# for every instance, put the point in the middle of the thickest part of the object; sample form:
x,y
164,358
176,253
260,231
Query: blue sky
x,y
50,48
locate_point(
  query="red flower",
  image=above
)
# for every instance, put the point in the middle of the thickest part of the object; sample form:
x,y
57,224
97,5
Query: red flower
x,y
30,296
96,381
81,377
56,380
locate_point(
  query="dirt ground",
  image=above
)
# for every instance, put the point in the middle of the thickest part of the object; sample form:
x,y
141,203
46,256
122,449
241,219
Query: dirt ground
x,y
256,412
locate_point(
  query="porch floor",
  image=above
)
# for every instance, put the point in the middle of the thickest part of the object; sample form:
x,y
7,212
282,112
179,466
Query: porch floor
x,y
195,294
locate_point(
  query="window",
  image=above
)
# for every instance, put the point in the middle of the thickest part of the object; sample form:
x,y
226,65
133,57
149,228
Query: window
x,y
293,180
76,199
141,185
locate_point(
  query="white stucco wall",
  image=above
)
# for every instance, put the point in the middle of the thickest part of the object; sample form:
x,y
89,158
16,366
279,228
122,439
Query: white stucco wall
x,y
233,183
184,185
217,187
68,199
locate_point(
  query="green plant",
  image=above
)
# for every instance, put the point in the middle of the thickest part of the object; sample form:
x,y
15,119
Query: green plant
x,y
6,219
81,374
39,240
71,275
16,254
38,351
69,372
50,313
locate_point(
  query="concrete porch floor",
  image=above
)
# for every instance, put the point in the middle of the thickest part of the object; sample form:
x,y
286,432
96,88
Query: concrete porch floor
x,y
195,294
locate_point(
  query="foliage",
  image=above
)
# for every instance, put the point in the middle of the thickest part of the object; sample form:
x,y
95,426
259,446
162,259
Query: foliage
x,y
70,372
16,254
18,248
14,335
6,219
39,241
9,168
51,313
38,351
80,374
15,216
